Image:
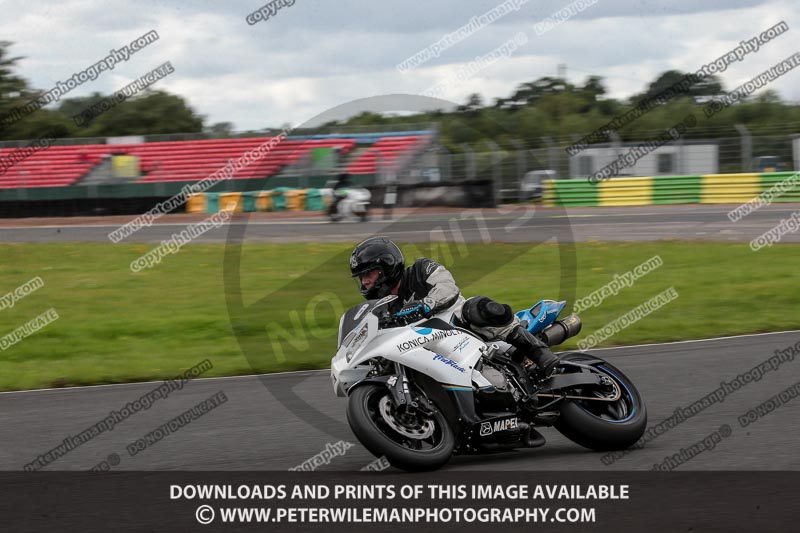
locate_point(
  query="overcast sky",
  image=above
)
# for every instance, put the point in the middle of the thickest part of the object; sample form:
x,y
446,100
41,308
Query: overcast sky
x,y
317,54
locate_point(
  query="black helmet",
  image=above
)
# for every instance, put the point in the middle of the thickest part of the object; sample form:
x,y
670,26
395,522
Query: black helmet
x,y
377,252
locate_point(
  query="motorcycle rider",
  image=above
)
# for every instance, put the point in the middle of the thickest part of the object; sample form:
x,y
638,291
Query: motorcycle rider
x,y
342,181
427,287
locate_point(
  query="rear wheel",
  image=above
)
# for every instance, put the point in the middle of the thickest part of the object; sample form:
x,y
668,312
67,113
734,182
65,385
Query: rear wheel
x,y
602,425
410,441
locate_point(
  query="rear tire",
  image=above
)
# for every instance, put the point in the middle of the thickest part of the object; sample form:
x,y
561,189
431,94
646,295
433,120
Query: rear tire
x,y
364,408
603,426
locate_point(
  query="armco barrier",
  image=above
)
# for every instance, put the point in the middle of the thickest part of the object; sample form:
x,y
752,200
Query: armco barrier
x,y
631,191
137,198
468,193
165,189
231,202
729,188
212,202
314,200
282,198
791,194
657,190
197,203
676,190
295,199
462,194
249,201
264,201
570,192
279,198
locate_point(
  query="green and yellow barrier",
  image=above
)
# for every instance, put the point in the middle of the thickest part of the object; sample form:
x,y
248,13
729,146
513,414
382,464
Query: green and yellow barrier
x,y
197,203
212,202
278,199
231,202
789,191
676,190
659,190
295,199
249,201
264,201
570,192
631,191
729,188
314,200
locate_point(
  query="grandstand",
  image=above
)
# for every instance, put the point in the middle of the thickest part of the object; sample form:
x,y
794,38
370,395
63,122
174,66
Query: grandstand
x,y
193,160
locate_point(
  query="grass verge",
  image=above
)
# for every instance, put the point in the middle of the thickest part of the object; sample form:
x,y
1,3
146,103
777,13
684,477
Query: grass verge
x,y
119,326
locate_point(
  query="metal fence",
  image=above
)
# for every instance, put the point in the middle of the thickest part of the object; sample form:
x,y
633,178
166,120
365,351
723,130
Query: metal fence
x,y
507,167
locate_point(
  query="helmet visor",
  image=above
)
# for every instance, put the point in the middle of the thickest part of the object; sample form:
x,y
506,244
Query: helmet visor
x,y
369,280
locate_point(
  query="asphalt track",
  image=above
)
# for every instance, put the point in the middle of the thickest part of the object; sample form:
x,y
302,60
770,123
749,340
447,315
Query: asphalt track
x,y
511,224
277,421
255,430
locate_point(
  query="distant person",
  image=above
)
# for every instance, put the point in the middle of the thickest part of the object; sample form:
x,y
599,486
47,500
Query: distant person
x,y
342,182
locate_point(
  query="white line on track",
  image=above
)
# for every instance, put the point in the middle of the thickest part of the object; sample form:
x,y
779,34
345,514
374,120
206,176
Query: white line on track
x,y
697,340
62,389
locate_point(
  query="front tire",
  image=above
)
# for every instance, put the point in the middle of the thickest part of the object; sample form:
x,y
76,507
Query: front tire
x,y
409,443
602,426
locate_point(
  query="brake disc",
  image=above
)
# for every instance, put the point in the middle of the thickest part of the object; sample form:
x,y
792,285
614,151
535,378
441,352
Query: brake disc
x,y
418,431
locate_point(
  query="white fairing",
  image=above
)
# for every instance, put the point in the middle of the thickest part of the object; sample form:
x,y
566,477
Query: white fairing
x,y
356,201
448,356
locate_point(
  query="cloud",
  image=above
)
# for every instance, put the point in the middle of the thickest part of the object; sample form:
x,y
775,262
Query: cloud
x,y
312,56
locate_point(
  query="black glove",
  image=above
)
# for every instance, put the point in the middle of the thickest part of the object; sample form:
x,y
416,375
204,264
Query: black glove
x,y
413,311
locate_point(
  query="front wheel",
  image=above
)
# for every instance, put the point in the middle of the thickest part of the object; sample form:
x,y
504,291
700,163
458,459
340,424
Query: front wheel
x,y
602,425
412,442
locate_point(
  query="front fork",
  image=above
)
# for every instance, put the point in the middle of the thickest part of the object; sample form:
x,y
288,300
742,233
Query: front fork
x,y
458,407
401,395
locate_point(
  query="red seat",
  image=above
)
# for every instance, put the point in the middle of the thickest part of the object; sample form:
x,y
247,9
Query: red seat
x,y
190,160
385,150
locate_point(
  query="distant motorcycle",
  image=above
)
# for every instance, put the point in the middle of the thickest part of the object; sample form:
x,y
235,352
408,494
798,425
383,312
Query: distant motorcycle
x,y
419,393
352,203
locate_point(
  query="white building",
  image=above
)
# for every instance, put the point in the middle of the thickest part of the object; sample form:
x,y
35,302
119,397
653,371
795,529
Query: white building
x,y
686,158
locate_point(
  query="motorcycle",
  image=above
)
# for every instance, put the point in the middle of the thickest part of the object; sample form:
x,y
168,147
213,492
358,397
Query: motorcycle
x,y
352,203
422,392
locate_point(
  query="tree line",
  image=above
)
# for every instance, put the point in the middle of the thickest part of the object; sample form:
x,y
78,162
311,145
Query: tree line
x,y
548,109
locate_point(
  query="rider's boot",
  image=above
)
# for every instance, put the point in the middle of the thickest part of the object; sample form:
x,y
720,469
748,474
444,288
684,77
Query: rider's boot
x,y
531,347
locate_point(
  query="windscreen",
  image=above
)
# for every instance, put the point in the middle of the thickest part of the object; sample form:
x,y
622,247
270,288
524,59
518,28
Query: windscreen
x,y
355,315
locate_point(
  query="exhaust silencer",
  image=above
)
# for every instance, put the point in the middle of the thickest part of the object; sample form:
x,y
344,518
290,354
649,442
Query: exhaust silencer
x,y
561,330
